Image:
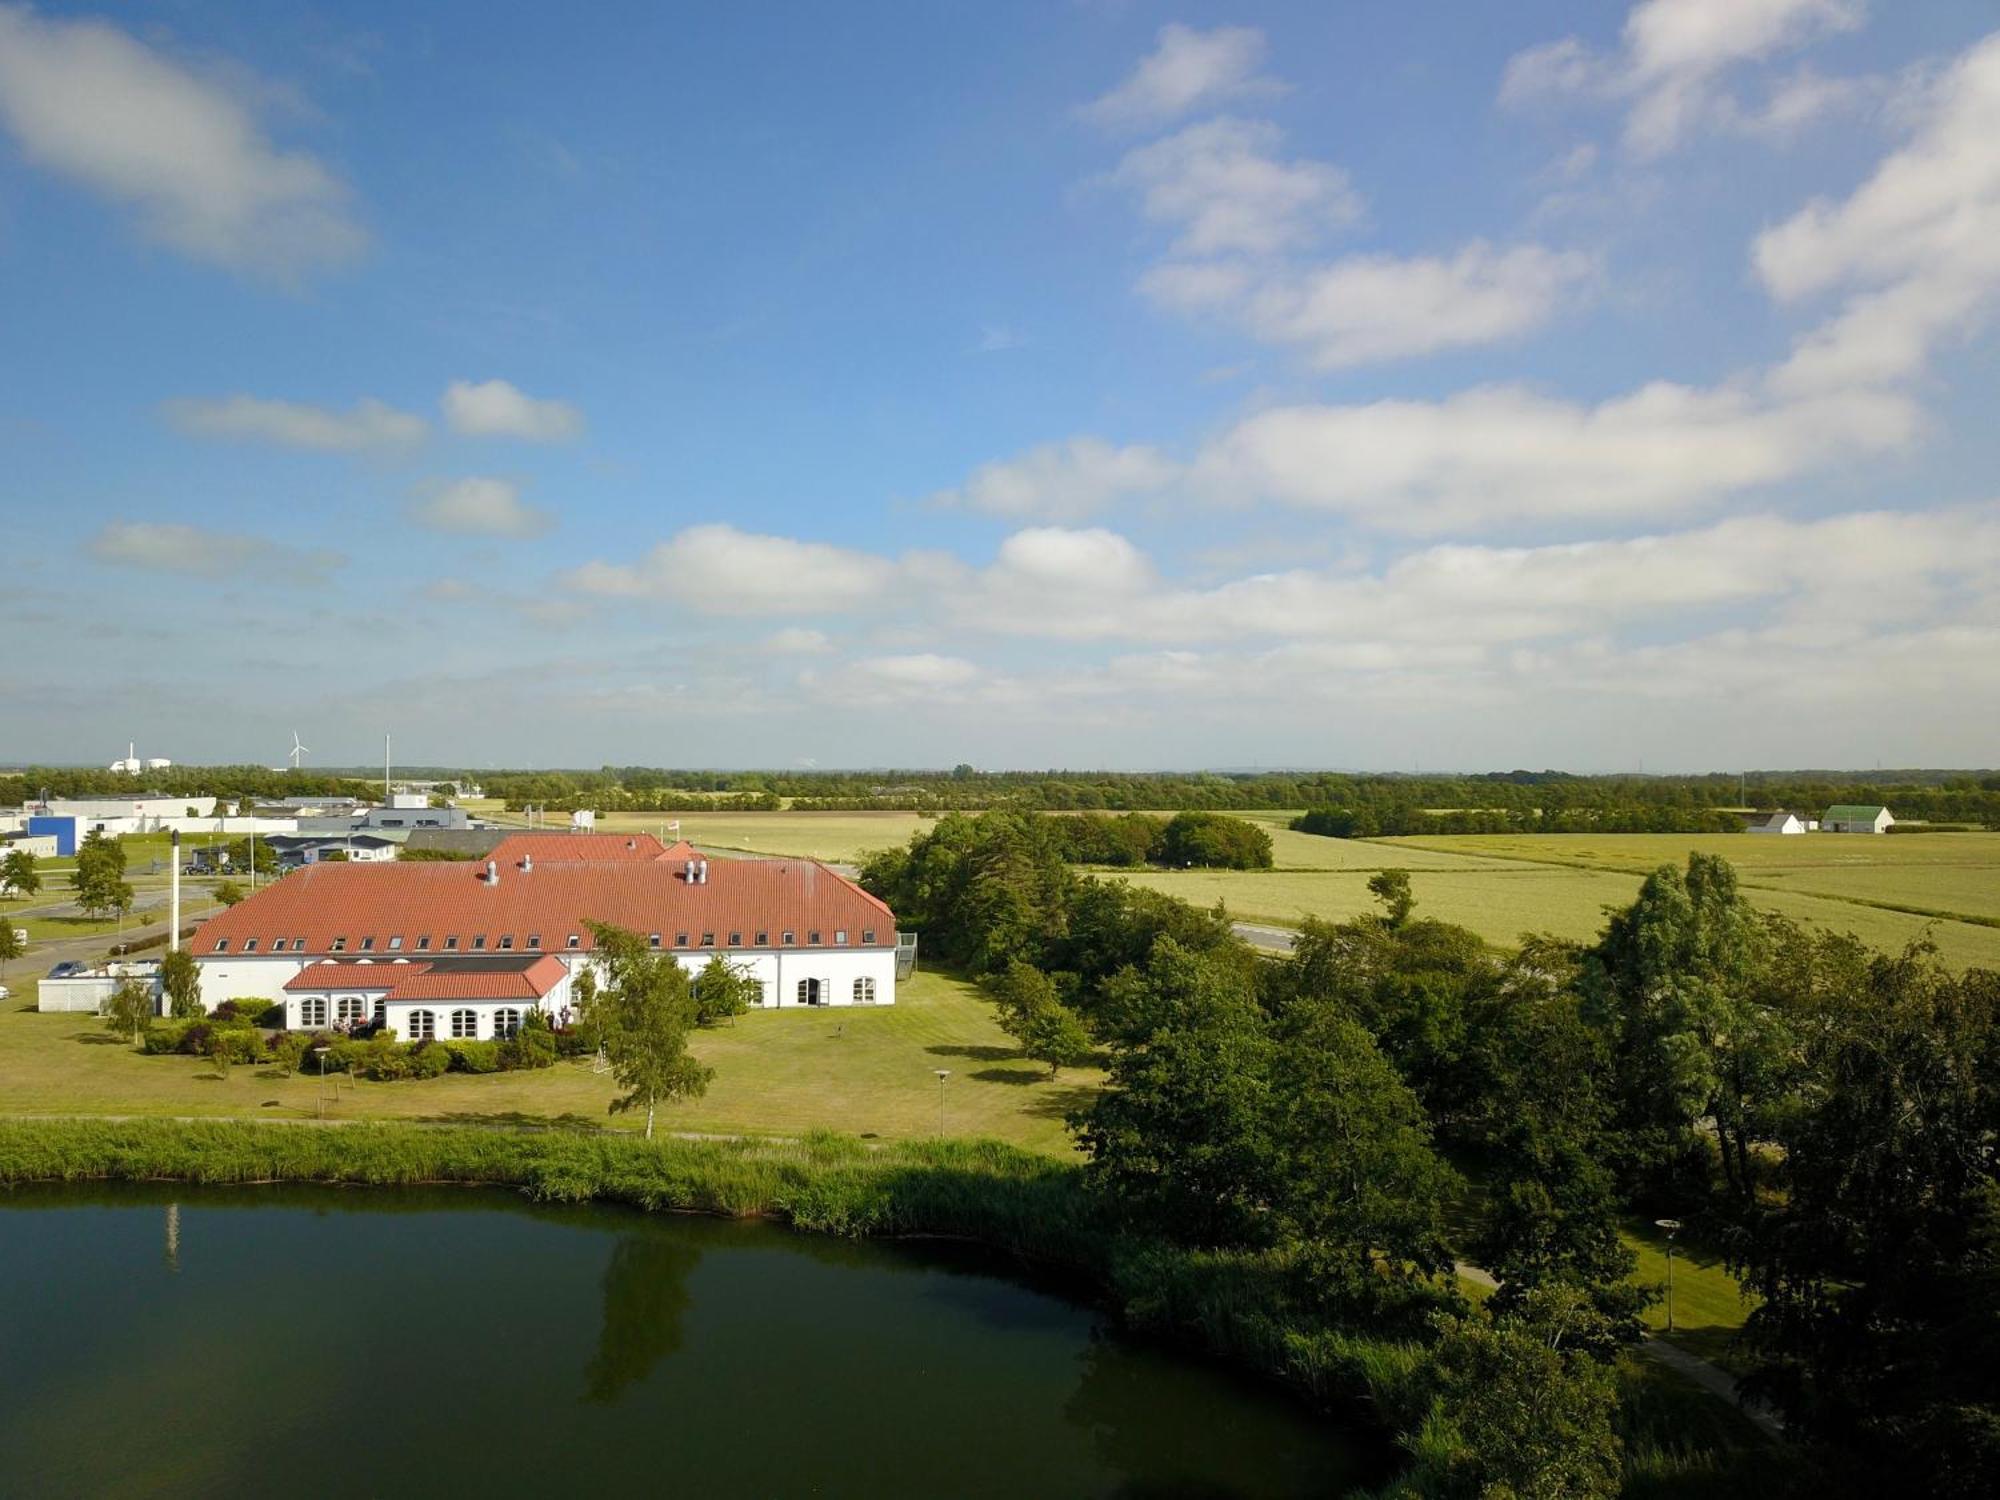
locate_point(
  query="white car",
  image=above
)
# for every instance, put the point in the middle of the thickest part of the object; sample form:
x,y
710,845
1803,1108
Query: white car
x,y
5,993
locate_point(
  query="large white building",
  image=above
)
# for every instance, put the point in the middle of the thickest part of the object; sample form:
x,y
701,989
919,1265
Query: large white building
x,y
478,930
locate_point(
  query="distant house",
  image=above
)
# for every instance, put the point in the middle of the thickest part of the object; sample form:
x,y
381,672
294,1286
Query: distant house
x,y
1777,822
1856,818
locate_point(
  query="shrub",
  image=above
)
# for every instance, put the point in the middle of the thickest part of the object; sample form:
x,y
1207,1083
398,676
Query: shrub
x,y
251,1011
474,1057
164,1038
287,1047
534,1046
572,1042
428,1059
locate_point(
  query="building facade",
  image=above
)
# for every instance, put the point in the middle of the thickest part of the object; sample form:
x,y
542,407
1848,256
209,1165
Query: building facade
x,y
807,936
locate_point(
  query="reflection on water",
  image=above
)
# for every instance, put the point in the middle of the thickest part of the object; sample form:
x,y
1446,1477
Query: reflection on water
x,y
645,1298
366,1342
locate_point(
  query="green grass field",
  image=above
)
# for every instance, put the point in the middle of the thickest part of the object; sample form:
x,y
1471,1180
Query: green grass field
x,y
838,838
870,1072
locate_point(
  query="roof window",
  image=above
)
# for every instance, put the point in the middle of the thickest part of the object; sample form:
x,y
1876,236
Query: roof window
x,y
338,945
222,945
575,941
451,944
395,943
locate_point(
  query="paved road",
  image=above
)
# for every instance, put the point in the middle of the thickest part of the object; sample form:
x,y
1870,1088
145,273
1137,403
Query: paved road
x,y
1269,939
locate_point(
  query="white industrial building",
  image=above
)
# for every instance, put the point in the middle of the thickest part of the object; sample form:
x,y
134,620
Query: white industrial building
x,y
807,936
1780,823
1856,818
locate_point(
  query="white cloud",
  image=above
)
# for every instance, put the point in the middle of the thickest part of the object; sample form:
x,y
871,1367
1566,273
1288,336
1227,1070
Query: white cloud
x,y
494,408
87,100
797,641
1496,454
1671,59
479,507
925,669
173,547
1917,246
1062,481
718,570
369,424
1224,188
1369,308
1187,69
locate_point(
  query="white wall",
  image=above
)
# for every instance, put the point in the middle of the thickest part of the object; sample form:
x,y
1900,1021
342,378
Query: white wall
x,y
230,976
130,807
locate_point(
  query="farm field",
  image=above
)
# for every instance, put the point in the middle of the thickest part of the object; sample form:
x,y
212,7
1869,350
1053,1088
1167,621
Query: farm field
x,y
835,837
1568,900
869,1072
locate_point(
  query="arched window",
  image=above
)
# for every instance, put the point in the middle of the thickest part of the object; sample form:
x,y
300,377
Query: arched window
x,y
312,1011
349,1008
423,1025
465,1023
864,991
506,1022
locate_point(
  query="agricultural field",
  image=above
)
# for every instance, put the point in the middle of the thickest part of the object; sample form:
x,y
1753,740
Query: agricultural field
x,y
1888,890
870,1072
835,837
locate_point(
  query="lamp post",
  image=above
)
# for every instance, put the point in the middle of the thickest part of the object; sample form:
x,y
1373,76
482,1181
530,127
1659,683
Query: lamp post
x,y
1672,1227
942,1075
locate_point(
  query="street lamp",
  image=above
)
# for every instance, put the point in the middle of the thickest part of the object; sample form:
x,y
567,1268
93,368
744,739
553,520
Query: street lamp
x,y
1672,1227
942,1075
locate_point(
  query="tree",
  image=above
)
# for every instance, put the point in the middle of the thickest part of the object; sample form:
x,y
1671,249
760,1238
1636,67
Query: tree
x,y
1520,1406
228,892
18,874
180,978
129,1011
1033,1014
1392,889
1215,839
11,947
100,877
642,1012
1878,1254
723,990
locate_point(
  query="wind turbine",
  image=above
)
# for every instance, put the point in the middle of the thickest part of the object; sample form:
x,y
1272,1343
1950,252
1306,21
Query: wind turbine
x,y
299,751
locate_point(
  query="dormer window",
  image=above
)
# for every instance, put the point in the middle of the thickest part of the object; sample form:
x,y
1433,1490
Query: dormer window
x,y
507,940
534,940
736,940
479,943
763,940
222,945
298,945
424,944
708,940
788,940
575,941
368,945
451,944
813,937
868,936
652,940
249,945
338,945
680,940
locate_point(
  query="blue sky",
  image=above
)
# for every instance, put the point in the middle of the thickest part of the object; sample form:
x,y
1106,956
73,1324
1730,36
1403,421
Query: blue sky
x,y
1375,385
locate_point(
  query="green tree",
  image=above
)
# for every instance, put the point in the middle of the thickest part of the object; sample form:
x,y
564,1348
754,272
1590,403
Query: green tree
x,y
1033,1014
1392,889
219,1052
1214,839
642,1012
287,1047
1521,1409
18,874
180,978
11,946
129,1011
1877,1255
99,877
723,990
228,892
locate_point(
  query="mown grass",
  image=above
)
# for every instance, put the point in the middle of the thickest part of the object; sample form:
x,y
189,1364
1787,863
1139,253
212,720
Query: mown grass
x,y
867,1071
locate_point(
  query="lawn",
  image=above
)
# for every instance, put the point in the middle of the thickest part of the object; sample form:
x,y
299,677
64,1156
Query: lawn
x,y
870,1072
1709,1307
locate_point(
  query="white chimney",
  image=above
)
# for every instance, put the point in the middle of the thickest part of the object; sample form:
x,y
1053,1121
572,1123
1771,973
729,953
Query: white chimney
x,y
492,873
527,864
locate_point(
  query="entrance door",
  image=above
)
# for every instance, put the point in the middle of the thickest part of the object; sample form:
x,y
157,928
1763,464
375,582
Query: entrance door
x,y
809,992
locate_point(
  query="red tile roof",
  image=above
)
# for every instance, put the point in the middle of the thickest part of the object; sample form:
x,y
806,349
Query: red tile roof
x,y
437,900
522,978
578,848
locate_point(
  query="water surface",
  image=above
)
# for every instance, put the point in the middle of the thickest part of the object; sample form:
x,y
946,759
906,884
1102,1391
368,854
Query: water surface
x,y
388,1342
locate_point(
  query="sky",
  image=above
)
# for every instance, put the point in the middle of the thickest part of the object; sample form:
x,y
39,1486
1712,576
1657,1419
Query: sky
x,y
1395,385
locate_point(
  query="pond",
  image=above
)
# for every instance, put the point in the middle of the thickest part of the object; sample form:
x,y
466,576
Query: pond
x,y
320,1341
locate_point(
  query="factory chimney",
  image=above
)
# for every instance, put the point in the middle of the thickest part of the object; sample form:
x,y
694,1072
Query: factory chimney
x,y
174,896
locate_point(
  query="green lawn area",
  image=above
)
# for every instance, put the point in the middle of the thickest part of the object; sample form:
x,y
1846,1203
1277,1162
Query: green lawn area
x,y
869,1072
1709,1307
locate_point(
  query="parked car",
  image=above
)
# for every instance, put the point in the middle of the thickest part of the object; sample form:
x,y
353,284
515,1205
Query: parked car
x,y
5,993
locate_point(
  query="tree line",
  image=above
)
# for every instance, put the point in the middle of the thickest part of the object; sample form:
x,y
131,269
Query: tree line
x,y
1827,1116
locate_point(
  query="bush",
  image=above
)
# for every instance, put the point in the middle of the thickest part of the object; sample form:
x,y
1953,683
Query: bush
x,y
251,1011
534,1046
474,1057
572,1042
164,1038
